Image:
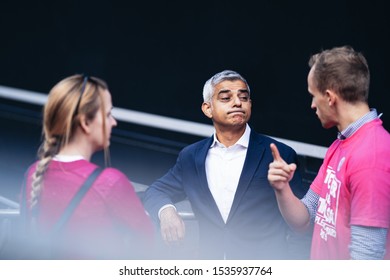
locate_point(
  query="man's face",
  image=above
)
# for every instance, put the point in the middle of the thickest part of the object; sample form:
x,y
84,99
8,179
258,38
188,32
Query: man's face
x,y
321,103
230,104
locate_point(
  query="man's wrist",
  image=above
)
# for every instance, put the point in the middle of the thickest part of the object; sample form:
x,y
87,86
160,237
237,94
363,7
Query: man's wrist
x,y
165,207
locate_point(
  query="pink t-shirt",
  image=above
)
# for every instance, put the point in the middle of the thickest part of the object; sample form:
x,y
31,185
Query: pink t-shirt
x,y
109,216
354,188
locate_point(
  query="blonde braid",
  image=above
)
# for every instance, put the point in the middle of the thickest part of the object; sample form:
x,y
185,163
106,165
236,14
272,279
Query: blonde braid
x,y
47,151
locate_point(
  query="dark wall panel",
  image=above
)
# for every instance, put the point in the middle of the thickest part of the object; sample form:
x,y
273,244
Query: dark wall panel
x,y
156,55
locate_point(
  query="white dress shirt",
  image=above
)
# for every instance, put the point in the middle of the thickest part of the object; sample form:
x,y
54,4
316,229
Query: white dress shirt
x,y
223,169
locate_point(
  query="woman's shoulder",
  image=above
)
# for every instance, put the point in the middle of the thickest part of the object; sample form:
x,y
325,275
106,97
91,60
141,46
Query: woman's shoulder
x,y
113,176
113,183
113,172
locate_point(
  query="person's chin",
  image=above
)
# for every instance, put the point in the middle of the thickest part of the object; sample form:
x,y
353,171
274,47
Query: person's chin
x,y
326,125
239,123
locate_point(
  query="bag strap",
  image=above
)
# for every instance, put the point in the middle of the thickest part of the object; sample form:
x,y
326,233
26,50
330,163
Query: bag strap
x,y
76,200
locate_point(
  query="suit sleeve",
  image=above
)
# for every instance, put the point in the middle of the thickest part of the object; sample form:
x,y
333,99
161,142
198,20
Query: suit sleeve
x,y
166,190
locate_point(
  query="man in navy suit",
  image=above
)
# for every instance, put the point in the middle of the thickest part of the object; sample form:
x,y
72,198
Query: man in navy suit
x,y
224,177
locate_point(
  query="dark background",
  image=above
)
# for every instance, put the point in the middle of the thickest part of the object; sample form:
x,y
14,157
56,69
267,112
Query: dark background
x,y
156,55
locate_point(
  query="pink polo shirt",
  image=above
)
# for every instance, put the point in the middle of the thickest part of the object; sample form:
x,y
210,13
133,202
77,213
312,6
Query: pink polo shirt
x,y
354,188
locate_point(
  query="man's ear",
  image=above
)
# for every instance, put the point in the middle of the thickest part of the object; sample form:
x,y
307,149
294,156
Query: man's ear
x,y
84,124
206,108
331,97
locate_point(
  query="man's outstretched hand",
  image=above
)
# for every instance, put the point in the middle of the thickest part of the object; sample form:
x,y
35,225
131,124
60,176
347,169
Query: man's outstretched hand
x,y
279,172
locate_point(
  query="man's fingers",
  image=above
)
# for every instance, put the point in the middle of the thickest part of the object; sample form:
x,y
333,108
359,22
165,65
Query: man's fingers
x,y
277,166
166,236
275,152
278,169
172,226
292,166
169,234
280,173
181,230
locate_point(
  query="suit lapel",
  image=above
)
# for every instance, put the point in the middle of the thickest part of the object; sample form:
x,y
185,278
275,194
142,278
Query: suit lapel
x,y
253,157
200,163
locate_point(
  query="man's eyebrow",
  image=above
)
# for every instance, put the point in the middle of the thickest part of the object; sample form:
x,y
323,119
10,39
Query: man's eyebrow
x,y
244,90
224,91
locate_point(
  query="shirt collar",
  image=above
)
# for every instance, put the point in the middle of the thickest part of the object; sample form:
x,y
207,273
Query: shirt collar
x,y
243,141
353,127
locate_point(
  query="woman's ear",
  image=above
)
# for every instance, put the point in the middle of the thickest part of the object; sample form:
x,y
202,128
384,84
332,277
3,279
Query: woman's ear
x,y
84,124
206,108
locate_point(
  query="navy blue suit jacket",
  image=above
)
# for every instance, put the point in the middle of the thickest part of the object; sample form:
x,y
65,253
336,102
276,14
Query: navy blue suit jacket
x,y
255,228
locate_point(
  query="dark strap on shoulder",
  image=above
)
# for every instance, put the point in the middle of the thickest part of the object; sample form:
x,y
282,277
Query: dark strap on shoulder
x,y
76,200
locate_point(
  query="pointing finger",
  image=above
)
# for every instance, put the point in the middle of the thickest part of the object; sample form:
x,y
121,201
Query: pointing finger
x,y
275,153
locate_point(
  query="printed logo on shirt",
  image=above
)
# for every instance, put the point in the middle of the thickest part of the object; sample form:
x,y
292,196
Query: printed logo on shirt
x,y
328,205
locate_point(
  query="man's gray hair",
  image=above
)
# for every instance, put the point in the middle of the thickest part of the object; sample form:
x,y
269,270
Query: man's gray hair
x,y
218,78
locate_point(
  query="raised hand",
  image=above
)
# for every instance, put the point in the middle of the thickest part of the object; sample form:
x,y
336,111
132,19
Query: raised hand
x,y
279,172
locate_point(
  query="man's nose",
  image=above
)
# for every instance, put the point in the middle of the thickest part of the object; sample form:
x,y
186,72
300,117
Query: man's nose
x,y
237,101
313,105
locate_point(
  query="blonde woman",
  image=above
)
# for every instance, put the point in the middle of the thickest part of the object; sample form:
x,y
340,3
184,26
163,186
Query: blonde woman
x,y
110,221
